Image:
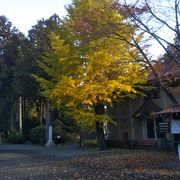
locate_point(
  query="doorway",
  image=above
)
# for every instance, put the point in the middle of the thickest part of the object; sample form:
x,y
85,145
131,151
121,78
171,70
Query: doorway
x,y
150,128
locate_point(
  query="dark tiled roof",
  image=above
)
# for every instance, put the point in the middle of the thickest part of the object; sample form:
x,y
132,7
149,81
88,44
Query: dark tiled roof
x,y
147,105
165,69
175,110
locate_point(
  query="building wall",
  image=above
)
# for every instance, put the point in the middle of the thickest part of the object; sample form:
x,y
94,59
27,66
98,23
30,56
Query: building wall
x,y
121,113
136,128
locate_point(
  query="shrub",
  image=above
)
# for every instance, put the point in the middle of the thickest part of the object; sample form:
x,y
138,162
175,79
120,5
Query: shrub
x,y
38,135
58,131
14,137
28,124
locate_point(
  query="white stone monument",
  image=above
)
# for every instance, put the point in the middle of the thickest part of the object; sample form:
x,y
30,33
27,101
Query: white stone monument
x,y
50,141
179,151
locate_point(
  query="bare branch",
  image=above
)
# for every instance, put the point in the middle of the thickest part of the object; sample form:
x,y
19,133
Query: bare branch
x,y
159,19
177,19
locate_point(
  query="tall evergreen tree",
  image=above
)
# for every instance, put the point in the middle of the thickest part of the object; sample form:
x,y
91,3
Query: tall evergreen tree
x,y
10,47
39,44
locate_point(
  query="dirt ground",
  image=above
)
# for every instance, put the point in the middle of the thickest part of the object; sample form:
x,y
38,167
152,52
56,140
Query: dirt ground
x,y
71,162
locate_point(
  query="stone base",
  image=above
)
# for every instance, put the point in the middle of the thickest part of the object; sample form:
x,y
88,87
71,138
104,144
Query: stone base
x,y
50,143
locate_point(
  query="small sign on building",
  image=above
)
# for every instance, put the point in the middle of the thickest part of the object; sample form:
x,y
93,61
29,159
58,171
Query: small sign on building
x,y
164,127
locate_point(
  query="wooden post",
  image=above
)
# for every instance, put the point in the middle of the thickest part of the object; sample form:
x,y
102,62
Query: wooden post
x,y
155,129
131,121
178,151
20,115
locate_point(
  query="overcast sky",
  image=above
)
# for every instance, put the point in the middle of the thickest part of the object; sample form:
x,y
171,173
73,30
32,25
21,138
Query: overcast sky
x,y
24,13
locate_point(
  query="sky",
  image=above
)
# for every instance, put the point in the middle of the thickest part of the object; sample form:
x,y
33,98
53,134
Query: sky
x,y
25,13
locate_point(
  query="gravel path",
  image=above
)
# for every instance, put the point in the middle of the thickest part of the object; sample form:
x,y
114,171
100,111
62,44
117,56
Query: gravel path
x,y
21,162
37,162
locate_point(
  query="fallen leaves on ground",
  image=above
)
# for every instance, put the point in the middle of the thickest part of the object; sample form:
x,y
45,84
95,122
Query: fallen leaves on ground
x,y
126,164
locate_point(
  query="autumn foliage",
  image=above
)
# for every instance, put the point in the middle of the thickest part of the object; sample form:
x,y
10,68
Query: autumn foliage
x,y
94,69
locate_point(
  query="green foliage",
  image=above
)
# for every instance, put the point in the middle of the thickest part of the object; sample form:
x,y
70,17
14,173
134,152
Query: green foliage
x,y
87,119
14,137
65,126
38,135
10,53
58,129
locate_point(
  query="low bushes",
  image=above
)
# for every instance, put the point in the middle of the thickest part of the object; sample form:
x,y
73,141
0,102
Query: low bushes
x,y
14,137
64,132
38,135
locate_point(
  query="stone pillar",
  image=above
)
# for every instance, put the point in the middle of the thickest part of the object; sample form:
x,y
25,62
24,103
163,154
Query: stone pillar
x,y
47,116
50,141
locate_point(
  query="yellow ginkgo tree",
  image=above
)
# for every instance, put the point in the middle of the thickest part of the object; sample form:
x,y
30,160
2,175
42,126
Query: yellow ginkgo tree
x,y
86,77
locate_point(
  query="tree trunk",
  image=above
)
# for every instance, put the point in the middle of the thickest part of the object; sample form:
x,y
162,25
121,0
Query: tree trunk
x,y
16,121
47,118
41,113
24,108
80,139
99,110
11,112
